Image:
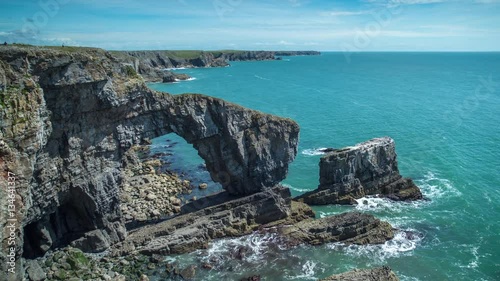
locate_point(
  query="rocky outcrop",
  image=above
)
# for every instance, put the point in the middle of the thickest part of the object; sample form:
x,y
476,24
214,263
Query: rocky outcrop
x,y
223,215
376,274
348,228
368,168
191,231
247,55
68,115
152,65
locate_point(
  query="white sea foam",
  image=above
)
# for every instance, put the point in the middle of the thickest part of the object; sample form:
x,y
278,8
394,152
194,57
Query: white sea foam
x,y
434,187
369,203
255,246
474,263
308,272
169,259
374,203
189,79
174,68
295,188
403,243
326,214
313,151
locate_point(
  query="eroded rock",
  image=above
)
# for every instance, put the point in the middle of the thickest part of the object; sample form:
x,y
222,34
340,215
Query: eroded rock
x,y
376,274
348,228
72,115
231,218
368,168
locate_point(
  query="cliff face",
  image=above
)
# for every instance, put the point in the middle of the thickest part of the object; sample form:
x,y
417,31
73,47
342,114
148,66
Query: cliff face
x,y
368,168
67,118
152,64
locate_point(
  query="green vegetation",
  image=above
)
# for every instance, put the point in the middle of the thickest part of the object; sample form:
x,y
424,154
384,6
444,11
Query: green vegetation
x,y
130,71
184,54
71,49
192,54
77,259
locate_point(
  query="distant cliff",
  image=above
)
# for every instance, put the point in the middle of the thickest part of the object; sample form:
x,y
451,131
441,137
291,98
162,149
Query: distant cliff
x,y
152,65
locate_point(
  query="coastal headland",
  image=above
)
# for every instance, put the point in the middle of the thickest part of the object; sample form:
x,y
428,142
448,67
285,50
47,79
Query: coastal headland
x,y
73,122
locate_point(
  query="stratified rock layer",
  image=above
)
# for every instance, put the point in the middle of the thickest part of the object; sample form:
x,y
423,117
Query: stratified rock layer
x,y
368,168
233,217
376,274
348,228
272,210
68,115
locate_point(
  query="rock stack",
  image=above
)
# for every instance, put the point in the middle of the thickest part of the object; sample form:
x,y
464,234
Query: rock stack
x,y
368,168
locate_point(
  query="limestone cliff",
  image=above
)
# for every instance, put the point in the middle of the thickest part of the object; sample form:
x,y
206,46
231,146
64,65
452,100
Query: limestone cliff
x,y
67,117
152,64
368,168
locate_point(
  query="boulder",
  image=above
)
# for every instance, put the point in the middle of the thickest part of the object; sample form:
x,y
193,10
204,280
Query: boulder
x,y
35,271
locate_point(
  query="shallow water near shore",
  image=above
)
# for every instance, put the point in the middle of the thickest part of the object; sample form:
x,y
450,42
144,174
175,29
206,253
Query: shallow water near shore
x,y
447,135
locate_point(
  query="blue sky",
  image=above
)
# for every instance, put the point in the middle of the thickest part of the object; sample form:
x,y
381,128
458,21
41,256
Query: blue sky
x,y
354,25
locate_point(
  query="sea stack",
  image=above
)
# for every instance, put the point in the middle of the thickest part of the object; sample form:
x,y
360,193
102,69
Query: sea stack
x,y
368,168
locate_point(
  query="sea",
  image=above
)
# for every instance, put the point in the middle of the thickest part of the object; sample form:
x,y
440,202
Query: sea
x,y
442,110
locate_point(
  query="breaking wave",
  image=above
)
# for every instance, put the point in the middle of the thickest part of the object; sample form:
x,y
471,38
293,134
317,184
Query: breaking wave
x,y
295,188
403,243
314,151
434,187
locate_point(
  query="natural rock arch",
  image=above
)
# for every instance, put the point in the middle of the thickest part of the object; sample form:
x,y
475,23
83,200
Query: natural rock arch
x,y
83,111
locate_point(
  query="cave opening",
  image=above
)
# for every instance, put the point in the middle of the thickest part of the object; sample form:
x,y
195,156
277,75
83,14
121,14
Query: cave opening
x,y
67,223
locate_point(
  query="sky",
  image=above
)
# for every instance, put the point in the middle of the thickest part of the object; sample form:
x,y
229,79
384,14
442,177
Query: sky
x,y
324,25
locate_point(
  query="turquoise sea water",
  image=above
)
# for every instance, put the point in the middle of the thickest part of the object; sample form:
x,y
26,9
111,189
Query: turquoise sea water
x,y
442,109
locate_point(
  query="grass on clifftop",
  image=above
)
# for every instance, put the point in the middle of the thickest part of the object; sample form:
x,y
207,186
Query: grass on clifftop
x,y
184,54
192,54
69,49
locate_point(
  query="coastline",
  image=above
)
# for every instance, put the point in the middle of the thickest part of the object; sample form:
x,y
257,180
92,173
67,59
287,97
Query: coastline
x,y
253,199
157,66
